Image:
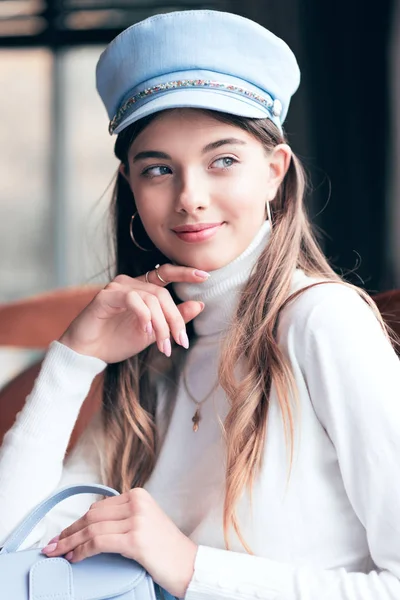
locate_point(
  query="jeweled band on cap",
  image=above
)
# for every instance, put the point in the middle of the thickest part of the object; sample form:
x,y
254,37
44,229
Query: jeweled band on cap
x,y
273,106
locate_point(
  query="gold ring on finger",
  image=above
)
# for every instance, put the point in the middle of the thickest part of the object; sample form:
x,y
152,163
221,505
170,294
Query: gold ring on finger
x,y
147,277
159,276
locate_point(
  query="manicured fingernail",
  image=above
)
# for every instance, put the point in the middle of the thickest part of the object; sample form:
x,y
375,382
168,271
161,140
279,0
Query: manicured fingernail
x,y
183,339
69,555
167,347
49,548
149,328
54,539
202,274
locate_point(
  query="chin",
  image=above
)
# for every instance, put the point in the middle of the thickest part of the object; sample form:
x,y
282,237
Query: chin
x,y
205,263
214,265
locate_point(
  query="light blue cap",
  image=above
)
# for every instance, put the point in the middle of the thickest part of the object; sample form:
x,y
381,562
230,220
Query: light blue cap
x,y
196,59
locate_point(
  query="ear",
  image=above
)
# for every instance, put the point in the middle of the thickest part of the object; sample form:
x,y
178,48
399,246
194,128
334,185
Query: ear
x,y
123,172
279,161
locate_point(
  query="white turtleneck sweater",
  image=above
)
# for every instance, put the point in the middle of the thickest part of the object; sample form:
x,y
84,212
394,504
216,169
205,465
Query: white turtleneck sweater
x,y
332,531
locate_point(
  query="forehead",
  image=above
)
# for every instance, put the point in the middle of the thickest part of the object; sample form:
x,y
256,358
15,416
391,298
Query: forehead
x,y
186,126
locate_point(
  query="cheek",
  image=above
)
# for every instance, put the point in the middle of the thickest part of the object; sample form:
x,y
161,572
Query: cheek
x,y
244,197
152,205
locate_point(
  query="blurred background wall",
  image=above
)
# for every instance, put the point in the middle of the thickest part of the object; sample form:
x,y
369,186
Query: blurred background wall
x,y
56,158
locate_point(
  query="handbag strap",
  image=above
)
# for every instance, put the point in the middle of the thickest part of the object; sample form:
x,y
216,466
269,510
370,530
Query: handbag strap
x,y
29,523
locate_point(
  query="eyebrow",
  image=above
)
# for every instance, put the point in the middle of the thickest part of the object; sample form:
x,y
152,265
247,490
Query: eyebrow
x,y
212,146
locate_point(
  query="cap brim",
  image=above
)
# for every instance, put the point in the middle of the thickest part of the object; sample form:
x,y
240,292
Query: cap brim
x,y
218,100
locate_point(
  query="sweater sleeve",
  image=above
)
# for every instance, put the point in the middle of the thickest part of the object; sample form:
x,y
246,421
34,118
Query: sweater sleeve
x,y
33,450
353,377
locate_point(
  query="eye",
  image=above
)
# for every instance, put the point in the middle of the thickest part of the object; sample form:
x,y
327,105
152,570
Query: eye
x,y
156,171
224,162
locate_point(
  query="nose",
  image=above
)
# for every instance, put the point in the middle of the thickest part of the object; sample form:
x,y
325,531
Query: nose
x,y
192,194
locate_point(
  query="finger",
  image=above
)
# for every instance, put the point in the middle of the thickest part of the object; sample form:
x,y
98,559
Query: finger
x,y
110,299
89,535
92,517
115,543
115,299
159,323
135,302
173,318
111,501
175,274
190,309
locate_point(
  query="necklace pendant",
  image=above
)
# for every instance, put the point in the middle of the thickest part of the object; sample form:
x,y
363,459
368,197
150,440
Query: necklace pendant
x,y
196,420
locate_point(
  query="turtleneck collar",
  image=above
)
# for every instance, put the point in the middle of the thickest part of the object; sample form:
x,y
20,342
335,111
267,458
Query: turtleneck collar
x,y
220,293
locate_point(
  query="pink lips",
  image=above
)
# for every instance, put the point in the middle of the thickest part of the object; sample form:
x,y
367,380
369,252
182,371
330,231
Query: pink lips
x,y
196,232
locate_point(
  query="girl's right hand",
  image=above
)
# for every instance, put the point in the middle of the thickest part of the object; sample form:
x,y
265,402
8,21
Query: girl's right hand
x,y
129,314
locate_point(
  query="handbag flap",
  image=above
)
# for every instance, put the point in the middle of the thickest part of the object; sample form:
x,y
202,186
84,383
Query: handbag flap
x,y
99,577
51,578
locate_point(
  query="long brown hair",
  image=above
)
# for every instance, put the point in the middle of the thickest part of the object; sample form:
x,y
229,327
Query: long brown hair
x,y
129,395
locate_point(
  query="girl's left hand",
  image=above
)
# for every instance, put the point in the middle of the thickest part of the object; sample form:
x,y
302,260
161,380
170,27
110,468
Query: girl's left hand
x,y
133,525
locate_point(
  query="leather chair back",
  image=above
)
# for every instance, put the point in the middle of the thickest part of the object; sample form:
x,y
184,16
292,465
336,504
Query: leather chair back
x,y
34,323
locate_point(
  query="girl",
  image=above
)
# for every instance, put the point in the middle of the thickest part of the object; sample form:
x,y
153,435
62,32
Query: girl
x,y
250,416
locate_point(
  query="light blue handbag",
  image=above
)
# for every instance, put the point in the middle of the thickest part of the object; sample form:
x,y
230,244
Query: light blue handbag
x,y
30,575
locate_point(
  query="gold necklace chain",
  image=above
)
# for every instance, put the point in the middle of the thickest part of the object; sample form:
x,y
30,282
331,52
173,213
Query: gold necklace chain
x,y
197,416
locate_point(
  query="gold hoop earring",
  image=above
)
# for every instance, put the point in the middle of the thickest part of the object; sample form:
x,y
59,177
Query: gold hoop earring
x,y
267,206
133,237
